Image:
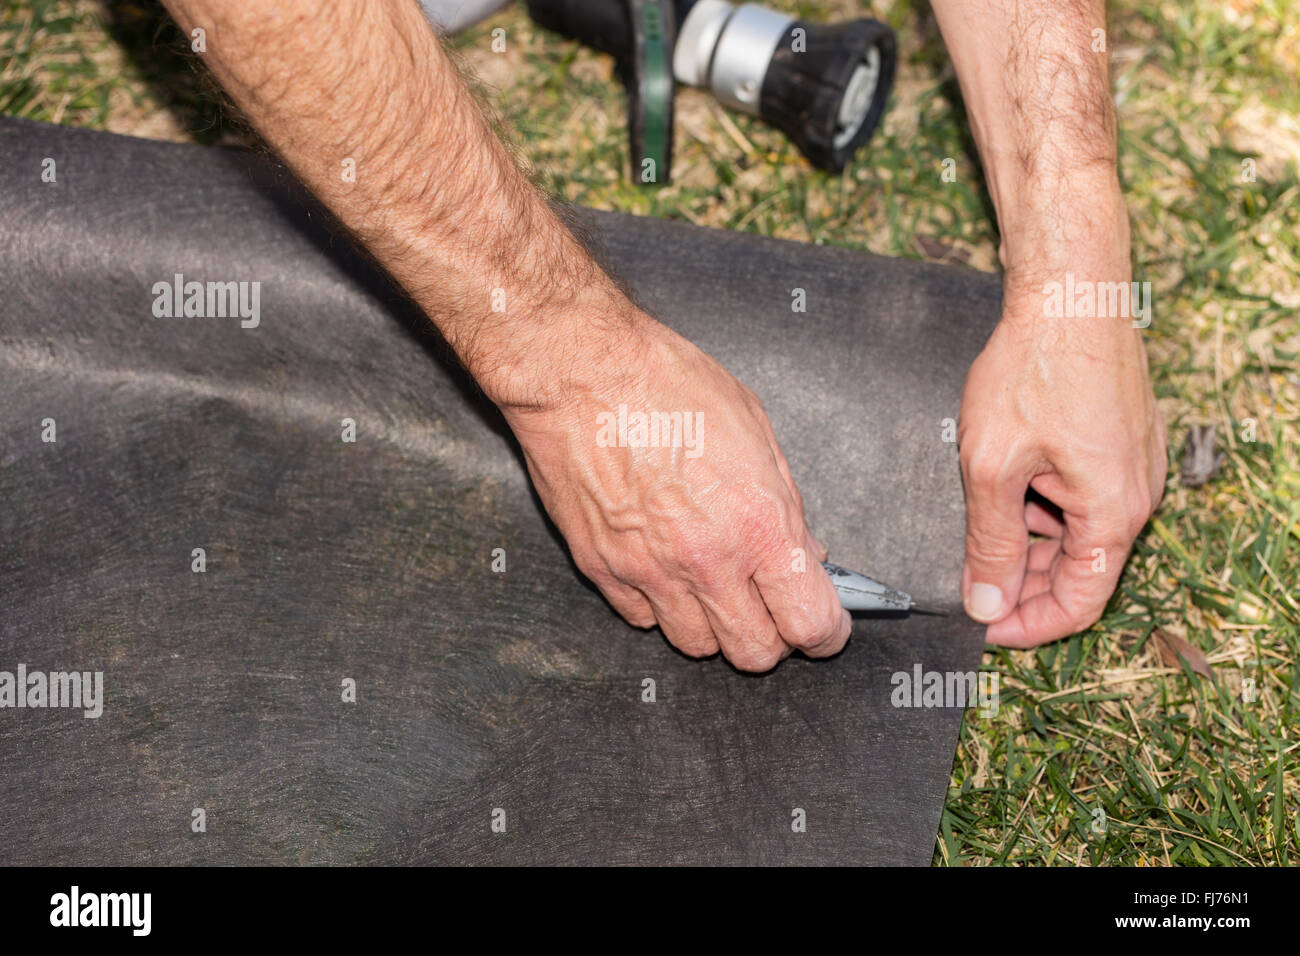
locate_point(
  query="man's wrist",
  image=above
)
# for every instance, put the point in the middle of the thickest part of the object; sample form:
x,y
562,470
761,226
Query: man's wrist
x,y
1081,242
1080,219
546,358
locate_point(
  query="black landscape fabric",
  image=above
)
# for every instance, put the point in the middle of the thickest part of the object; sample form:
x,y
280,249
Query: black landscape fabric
x,y
480,696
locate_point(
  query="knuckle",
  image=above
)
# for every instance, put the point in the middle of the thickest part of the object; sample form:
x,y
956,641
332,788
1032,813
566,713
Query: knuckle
x,y
591,564
639,617
1139,509
983,471
695,647
627,568
756,660
808,629
1123,515
1157,484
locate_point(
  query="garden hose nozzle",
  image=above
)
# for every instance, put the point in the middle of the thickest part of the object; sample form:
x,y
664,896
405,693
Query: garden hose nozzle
x,y
824,86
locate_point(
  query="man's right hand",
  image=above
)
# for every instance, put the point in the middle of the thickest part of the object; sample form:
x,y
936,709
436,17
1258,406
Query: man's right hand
x,y
707,541
713,548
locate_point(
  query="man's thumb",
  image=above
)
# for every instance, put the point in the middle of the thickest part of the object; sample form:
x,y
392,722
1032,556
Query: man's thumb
x,y
997,547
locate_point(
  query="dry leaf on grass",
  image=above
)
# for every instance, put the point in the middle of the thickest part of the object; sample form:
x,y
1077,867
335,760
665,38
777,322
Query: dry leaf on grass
x,y
1173,648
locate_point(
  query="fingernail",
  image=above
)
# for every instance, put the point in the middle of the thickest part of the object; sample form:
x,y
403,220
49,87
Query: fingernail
x,y
985,602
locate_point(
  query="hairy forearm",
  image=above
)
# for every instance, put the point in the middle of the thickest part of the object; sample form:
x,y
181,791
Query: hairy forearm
x,y
1040,107
364,105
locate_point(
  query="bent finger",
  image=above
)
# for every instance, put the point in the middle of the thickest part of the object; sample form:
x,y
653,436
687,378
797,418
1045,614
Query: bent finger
x,y
743,627
685,625
805,608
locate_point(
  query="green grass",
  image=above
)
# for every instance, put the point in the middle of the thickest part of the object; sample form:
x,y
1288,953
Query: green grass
x,y
1187,771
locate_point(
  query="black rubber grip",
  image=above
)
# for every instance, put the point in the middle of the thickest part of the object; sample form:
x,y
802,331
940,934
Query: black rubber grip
x,y
805,83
